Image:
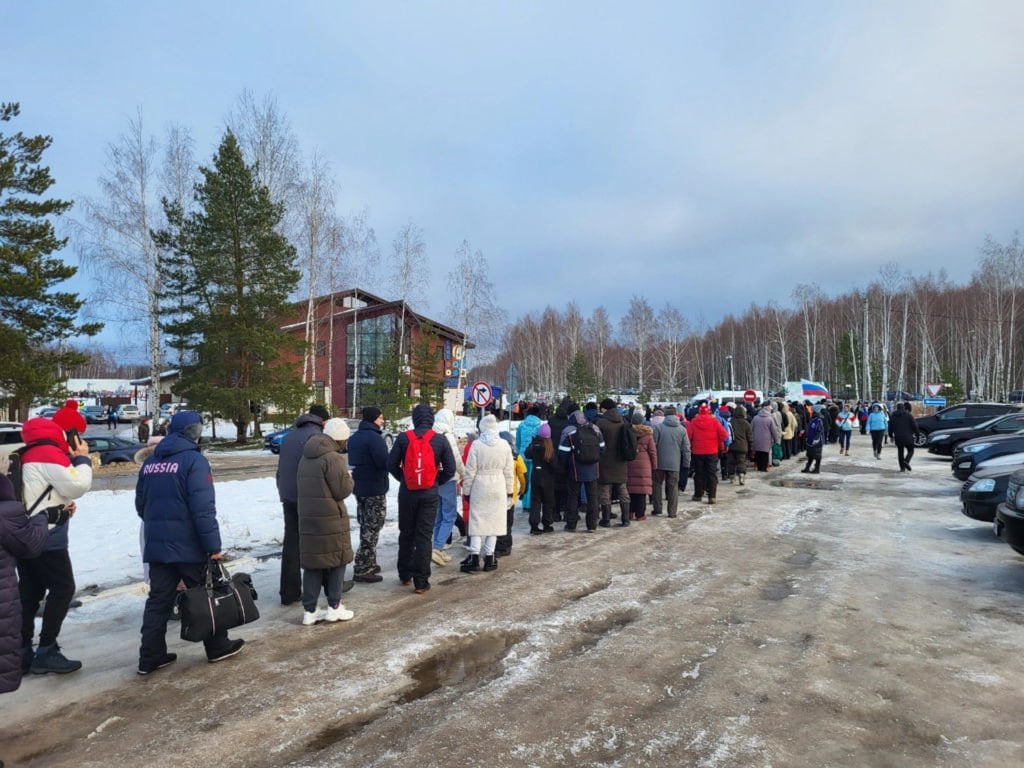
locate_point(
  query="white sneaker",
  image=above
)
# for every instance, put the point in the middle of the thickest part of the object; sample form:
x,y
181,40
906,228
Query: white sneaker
x,y
309,619
338,614
437,557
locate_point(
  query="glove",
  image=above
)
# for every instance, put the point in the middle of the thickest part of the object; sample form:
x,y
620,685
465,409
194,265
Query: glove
x,y
57,515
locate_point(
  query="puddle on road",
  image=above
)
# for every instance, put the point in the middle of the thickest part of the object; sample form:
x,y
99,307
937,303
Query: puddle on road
x,y
465,664
801,558
777,590
815,484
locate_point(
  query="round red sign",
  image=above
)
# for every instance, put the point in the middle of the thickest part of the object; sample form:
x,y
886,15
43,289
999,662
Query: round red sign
x,y
750,396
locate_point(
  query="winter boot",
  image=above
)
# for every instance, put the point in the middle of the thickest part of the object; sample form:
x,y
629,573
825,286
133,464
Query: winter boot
x,y
471,564
743,478
606,512
490,563
50,659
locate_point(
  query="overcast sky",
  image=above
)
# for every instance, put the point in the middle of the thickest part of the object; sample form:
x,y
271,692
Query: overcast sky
x,y
707,154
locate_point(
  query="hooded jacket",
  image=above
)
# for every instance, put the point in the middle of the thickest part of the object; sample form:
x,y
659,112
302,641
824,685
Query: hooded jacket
x,y
742,434
288,459
764,431
613,468
48,464
368,461
902,427
323,482
444,423
488,482
174,497
21,537
422,421
706,435
640,471
526,432
672,444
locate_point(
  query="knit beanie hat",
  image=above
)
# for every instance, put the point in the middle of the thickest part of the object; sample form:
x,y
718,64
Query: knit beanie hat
x,y
544,431
68,417
370,413
337,429
636,418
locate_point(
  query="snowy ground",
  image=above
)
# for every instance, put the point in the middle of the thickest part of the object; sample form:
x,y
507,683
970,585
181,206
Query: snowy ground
x,y
855,618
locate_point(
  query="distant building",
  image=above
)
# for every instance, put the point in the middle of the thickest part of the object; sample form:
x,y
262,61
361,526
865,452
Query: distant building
x,y
353,330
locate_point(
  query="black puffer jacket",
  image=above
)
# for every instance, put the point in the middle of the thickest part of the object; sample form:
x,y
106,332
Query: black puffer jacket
x,y
422,421
305,427
21,536
902,427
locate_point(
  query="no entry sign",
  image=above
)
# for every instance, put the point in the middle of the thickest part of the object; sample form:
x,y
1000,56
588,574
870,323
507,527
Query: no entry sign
x,y
749,396
481,394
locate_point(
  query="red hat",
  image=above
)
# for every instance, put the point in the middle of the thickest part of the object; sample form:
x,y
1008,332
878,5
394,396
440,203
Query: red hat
x,y
704,408
69,418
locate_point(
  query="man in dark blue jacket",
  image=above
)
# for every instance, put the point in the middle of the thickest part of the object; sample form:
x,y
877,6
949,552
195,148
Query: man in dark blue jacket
x,y
417,509
174,497
307,425
368,462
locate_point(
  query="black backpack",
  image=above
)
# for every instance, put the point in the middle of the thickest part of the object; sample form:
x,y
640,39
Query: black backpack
x,y
628,445
15,473
586,445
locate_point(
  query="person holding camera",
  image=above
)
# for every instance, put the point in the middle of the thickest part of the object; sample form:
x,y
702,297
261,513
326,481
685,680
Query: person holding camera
x,y
56,470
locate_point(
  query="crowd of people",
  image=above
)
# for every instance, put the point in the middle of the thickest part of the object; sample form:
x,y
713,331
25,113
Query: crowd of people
x,y
568,465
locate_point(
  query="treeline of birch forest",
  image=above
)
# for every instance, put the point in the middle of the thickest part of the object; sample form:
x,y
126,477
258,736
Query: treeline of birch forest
x,y
897,333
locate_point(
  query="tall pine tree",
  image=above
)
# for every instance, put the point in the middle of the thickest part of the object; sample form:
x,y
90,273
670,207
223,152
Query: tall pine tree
x,y
35,319
227,275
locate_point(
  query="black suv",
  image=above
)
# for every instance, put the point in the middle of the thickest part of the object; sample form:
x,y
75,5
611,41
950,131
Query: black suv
x,y
1010,514
961,415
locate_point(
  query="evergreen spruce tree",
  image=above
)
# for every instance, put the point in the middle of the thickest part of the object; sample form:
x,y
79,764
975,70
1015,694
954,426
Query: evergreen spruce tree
x,y
35,319
580,381
389,390
227,275
425,365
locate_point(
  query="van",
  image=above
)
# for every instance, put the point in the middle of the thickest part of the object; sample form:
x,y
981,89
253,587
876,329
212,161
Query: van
x,y
724,396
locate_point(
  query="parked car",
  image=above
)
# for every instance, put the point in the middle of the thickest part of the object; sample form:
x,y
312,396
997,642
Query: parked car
x,y
128,412
113,450
901,395
1017,396
10,437
47,412
1009,524
169,409
970,455
272,440
943,441
960,415
985,490
94,414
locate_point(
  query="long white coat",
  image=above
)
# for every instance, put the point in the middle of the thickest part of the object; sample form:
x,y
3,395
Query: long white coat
x,y
488,482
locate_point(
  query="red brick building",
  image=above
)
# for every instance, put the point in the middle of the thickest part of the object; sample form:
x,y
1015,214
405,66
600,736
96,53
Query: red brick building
x,y
351,331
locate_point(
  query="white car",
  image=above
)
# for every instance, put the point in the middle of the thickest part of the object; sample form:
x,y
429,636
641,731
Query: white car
x,y
10,437
128,413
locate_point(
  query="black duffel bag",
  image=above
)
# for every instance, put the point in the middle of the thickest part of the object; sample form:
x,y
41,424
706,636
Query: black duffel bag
x,y
223,602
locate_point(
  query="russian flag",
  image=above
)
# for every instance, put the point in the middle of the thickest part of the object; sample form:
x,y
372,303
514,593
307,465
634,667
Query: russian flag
x,y
813,389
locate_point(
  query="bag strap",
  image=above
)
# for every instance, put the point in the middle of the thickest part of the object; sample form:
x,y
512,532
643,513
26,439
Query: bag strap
x,y
222,574
42,496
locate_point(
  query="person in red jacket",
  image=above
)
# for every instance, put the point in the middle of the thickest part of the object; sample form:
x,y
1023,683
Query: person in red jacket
x,y
707,440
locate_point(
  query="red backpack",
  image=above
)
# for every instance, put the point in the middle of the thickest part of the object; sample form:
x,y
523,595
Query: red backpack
x,y
419,466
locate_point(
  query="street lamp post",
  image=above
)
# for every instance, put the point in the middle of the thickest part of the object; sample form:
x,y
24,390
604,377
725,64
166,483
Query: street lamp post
x,y
732,377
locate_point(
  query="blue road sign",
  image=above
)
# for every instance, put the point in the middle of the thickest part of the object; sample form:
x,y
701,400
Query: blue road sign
x,y
935,402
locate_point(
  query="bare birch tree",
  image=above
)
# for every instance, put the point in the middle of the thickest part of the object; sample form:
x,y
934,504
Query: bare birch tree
x,y
472,306
268,142
637,330
409,273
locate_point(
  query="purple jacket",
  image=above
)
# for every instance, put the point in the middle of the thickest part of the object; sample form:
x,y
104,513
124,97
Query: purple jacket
x,y
21,536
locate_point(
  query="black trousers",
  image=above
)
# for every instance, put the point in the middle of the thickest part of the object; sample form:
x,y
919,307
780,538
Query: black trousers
x,y
904,452
48,577
291,572
417,511
572,515
877,436
542,498
705,474
163,589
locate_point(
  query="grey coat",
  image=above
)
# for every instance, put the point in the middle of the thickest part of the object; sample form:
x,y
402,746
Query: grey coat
x,y
673,444
324,481
305,427
765,431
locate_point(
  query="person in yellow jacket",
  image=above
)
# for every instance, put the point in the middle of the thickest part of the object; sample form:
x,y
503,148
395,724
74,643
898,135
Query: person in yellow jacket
x,y
504,545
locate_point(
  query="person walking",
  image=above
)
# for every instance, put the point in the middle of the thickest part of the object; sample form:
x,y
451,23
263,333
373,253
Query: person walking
x,y
307,425
111,419
448,502
765,435
672,444
420,460
22,537
903,430
56,470
707,438
174,496
742,436
844,421
325,539
368,463
815,440
640,471
488,483
877,426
